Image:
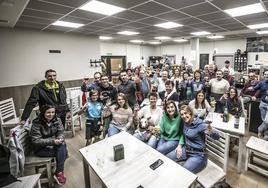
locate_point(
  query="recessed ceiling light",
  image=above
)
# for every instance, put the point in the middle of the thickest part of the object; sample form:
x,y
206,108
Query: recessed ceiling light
x,y
168,25
154,42
258,26
180,40
215,37
136,41
67,24
200,33
245,10
162,38
101,8
128,33
262,32
105,38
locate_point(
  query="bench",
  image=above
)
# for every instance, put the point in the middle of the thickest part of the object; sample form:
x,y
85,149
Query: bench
x,y
8,118
75,107
218,150
257,155
32,161
32,181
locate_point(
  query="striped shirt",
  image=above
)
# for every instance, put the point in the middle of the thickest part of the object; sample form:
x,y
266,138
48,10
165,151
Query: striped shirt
x,y
121,118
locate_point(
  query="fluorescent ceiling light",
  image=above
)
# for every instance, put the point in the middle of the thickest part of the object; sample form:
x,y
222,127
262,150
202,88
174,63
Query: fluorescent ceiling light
x,y
136,41
215,37
180,40
245,10
67,24
200,33
101,8
258,26
128,33
105,38
154,42
168,25
162,38
262,32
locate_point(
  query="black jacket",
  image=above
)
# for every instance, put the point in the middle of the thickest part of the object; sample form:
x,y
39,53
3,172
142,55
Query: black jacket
x,y
109,92
43,135
41,95
174,96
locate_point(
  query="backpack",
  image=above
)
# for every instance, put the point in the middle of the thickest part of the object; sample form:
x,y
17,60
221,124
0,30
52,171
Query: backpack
x,y
5,177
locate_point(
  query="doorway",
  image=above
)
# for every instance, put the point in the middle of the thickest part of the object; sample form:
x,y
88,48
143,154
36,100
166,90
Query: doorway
x,y
114,65
204,59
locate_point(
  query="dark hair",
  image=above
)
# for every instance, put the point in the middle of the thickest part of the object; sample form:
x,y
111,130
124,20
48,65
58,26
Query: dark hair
x,y
152,94
203,102
184,74
168,103
104,75
97,73
122,71
92,92
219,71
227,62
168,82
197,71
43,110
235,99
49,70
126,106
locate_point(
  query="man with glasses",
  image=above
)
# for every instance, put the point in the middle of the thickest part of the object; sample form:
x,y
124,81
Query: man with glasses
x,y
86,86
106,90
47,92
219,86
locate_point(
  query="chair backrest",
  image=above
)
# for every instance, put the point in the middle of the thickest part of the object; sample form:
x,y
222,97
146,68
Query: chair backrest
x,y
72,92
7,110
219,149
75,105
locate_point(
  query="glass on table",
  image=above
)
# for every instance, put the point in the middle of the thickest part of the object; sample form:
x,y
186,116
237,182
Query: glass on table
x,y
209,118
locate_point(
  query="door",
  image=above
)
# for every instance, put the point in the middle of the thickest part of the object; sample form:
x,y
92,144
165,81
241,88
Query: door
x,y
114,65
204,59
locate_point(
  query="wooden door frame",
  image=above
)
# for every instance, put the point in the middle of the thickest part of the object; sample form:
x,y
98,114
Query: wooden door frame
x,y
108,65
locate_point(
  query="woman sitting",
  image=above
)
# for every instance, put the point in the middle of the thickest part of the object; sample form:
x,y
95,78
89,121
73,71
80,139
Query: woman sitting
x,y
200,105
48,139
154,114
231,101
170,129
122,115
194,150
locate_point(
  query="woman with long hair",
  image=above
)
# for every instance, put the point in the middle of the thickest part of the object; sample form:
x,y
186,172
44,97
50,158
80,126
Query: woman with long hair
x,y
47,135
170,129
122,116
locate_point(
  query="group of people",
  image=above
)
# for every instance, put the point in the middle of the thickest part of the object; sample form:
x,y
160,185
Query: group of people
x,y
186,97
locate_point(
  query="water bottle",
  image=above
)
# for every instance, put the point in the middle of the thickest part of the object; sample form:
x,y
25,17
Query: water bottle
x,y
236,121
188,93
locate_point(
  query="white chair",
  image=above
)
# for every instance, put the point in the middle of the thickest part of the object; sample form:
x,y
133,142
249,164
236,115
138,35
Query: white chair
x,y
75,106
8,118
218,150
257,155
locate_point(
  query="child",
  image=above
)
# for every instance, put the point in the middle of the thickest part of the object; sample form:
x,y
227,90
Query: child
x,y
93,117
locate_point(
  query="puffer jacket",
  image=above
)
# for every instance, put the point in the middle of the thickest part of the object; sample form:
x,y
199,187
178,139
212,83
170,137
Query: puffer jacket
x,y
43,135
41,95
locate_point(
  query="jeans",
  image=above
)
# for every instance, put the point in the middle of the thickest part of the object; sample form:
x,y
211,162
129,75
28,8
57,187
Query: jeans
x,y
194,162
112,131
166,146
263,128
152,140
58,151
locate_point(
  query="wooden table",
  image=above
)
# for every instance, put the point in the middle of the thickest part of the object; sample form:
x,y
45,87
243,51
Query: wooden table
x,y
134,170
26,182
234,132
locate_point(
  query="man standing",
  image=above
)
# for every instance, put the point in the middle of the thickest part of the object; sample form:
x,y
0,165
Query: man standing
x,y
47,92
162,80
219,86
86,86
227,66
128,88
106,90
245,92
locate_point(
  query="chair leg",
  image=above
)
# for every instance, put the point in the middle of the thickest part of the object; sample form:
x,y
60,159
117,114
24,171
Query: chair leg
x,y
246,160
49,175
73,127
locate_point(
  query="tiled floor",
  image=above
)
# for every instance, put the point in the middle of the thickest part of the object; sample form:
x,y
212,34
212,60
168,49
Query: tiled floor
x,y
75,177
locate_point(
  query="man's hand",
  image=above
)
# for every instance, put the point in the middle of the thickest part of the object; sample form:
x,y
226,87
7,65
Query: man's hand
x,y
58,141
179,151
22,122
253,98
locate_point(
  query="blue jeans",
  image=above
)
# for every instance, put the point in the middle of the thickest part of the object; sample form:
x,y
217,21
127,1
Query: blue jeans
x,y
112,131
151,142
263,128
58,151
166,146
194,162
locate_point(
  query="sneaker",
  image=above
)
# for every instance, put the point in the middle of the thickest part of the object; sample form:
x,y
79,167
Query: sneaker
x,y
60,178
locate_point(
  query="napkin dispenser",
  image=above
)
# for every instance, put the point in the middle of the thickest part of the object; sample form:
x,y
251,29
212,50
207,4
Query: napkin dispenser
x,y
119,152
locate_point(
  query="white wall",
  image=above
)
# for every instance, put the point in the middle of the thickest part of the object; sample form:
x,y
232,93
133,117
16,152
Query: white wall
x,y
133,52
228,46
24,56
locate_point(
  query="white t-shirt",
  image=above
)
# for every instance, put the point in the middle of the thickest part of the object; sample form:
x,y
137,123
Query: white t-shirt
x,y
219,86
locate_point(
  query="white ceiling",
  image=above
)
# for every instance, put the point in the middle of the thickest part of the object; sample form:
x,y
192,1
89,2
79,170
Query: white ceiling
x,y
140,16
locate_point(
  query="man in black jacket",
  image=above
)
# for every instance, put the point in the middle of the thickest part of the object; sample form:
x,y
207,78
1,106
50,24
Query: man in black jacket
x,y
47,92
170,93
106,90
